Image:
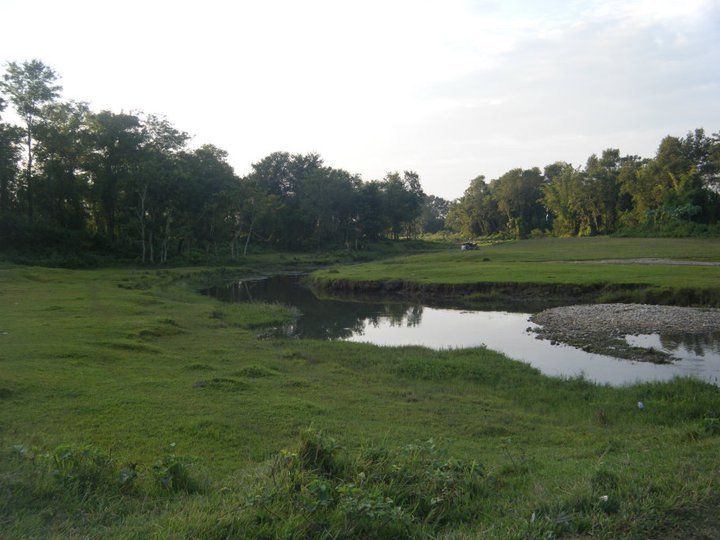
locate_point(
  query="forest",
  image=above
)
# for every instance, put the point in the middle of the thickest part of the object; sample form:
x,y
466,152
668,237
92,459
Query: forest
x,y
129,184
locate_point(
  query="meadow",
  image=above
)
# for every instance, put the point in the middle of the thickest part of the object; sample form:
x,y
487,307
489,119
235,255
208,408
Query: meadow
x,y
552,262
134,407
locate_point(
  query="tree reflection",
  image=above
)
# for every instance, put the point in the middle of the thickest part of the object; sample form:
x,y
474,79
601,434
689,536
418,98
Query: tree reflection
x,y
319,319
695,344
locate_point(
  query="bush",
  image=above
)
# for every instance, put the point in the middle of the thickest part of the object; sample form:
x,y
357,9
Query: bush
x,y
172,474
321,491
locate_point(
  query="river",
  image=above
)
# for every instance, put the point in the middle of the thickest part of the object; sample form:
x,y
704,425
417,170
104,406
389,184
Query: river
x,y
401,323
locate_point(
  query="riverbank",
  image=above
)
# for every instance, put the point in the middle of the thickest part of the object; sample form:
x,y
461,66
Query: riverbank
x,y
533,270
134,407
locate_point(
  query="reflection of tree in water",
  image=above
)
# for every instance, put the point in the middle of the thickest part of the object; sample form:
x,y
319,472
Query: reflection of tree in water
x,y
414,315
320,319
696,344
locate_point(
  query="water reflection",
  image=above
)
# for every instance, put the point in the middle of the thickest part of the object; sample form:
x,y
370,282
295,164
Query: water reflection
x,y
319,318
698,354
406,323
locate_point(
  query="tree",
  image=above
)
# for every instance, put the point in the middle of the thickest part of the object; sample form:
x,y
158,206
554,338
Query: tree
x,y
10,138
206,177
561,196
287,177
678,184
370,216
114,148
61,185
602,177
476,212
328,199
154,181
434,212
30,85
403,202
518,193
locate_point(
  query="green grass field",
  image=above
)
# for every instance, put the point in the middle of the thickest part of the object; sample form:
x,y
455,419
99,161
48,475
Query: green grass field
x,y
558,262
133,407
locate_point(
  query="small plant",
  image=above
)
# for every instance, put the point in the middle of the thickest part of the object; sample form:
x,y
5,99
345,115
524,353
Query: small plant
x,y
172,474
711,426
85,468
317,453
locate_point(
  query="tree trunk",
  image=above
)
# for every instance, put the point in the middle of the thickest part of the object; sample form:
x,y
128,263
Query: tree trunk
x,y
151,245
29,172
247,242
141,218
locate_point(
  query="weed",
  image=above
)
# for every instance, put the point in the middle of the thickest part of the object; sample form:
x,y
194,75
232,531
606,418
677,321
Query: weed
x,y
172,474
711,426
221,383
320,491
199,366
255,372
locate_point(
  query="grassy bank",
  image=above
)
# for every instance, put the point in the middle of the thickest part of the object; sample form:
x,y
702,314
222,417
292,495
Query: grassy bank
x,y
581,266
132,407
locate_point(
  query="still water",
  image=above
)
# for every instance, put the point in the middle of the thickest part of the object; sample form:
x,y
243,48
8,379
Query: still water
x,y
395,324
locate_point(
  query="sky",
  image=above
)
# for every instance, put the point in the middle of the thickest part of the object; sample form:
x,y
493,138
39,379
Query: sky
x,y
451,89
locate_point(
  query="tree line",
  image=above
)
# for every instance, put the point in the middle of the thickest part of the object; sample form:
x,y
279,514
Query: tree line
x,y
676,192
131,183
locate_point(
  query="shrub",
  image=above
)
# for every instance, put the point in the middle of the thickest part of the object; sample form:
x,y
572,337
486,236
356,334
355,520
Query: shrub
x,y
321,491
172,474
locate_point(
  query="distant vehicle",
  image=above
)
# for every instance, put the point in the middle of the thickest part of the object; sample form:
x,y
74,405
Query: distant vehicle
x,y
469,246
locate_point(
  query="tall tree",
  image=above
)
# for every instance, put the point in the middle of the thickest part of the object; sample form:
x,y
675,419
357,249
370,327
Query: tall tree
x,y
403,203
61,183
154,182
562,197
476,212
205,176
30,86
115,142
518,193
434,212
371,218
9,155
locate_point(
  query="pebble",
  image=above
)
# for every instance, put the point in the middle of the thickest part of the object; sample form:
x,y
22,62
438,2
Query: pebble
x,y
624,319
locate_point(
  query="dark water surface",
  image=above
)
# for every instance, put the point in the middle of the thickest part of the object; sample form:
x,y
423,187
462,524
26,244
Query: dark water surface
x,y
397,323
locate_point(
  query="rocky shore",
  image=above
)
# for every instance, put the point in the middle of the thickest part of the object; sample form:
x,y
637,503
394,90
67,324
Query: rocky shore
x,y
601,328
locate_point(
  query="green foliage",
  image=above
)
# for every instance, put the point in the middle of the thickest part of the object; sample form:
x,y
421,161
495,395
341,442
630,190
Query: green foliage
x,y
127,186
172,473
669,195
84,468
317,491
363,475
80,470
711,426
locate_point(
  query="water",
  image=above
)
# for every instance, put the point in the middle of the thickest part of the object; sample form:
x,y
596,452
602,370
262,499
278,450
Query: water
x,y
397,323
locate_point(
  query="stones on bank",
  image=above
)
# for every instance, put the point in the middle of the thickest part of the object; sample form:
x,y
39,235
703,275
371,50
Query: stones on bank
x,y
601,328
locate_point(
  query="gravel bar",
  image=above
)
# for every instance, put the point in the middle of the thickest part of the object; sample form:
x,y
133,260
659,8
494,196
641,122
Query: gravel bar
x,y
601,328
631,319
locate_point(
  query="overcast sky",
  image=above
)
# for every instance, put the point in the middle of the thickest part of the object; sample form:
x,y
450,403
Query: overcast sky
x,y
451,88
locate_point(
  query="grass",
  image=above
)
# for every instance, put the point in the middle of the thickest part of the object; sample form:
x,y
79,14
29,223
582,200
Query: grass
x,y
547,262
132,407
